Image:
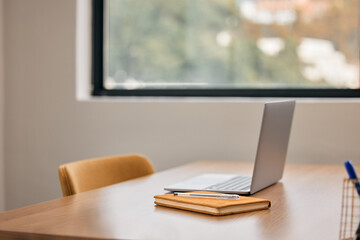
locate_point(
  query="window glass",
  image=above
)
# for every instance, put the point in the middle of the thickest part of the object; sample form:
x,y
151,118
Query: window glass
x,y
236,44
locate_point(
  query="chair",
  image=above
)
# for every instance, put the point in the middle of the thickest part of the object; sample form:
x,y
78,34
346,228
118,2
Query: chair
x,y
85,175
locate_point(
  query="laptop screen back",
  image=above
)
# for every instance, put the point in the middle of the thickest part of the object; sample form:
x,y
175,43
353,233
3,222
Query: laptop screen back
x,y
273,144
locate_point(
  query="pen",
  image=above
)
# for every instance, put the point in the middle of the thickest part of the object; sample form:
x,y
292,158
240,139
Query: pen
x,y
206,195
352,175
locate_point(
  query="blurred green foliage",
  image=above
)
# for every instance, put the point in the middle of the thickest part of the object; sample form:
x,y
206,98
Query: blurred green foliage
x,y
176,41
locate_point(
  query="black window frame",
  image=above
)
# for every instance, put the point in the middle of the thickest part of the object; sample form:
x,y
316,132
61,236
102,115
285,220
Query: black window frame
x,y
99,90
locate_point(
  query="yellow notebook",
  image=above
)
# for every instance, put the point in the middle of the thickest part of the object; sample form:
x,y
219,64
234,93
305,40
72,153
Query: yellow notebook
x,y
212,206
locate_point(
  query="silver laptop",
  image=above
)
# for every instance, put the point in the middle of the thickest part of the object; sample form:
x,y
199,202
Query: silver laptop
x,y
269,162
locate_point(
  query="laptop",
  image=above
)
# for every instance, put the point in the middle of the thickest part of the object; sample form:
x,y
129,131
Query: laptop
x,y
269,161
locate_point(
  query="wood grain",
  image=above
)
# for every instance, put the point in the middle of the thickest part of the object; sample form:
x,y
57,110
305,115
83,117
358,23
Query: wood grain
x,y
306,204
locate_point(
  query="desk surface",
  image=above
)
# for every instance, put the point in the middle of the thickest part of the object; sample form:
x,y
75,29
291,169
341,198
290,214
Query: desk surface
x,y
306,204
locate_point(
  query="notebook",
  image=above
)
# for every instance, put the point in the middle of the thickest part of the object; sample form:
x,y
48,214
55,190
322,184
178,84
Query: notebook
x,y
269,160
218,207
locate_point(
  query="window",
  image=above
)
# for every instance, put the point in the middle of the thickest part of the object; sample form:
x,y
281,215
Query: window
x,y
266,48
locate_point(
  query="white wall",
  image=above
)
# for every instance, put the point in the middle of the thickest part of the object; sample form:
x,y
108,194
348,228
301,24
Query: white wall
x,y
46,126
2,98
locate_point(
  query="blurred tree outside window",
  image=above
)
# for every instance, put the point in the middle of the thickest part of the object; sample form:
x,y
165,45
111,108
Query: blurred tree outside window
x,y
237,44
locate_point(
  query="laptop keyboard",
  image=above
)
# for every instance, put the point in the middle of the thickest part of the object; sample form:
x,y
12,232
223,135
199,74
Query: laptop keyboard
x,y
234,184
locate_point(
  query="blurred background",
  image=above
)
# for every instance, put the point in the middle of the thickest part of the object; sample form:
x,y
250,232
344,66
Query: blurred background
x,y
232,44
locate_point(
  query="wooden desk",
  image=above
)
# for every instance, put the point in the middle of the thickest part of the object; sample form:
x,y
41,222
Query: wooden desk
x,y
306,204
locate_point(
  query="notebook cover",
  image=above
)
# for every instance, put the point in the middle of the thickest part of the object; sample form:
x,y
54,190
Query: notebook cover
x,y
244,204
